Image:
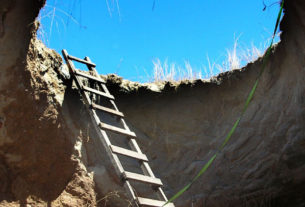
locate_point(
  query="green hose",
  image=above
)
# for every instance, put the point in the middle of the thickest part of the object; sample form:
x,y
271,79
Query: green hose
x,y
250,96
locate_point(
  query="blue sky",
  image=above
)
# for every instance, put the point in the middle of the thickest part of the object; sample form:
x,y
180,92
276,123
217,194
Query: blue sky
x,y
125,38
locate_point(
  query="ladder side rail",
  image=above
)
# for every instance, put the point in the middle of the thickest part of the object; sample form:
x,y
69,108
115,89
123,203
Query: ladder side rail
x,y
101,133
132,143
95,73
113,157
105,139
75,78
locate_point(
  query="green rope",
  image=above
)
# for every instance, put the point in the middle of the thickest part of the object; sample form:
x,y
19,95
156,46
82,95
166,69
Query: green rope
x,y
250,96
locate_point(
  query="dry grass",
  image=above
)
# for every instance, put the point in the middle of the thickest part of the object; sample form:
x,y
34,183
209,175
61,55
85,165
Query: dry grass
x,y
59,18
172,72
236,57
112,5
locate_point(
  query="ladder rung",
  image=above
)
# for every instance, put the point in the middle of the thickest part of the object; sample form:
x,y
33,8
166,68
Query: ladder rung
x,y
154,203
108,110
89,76
81,60
142,178
129,153
98,92
117,130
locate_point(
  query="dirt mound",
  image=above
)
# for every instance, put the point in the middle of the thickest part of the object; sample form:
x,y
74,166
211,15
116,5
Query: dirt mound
x,y
49,155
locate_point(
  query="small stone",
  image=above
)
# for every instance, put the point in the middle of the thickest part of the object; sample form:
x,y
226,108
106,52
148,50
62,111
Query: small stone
x,y
1,122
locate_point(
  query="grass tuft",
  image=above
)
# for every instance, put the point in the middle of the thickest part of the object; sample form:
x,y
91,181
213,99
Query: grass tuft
x,y
235,58
172,72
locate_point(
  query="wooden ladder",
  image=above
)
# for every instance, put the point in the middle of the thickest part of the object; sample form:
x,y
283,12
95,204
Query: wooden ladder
x,y
147,177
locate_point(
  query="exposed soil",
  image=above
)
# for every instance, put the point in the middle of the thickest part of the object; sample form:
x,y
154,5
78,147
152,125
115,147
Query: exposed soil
x,y
50,156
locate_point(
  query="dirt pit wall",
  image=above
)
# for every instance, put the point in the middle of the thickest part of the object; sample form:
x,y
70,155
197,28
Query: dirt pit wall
x,y
39,155
182,125
49,154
